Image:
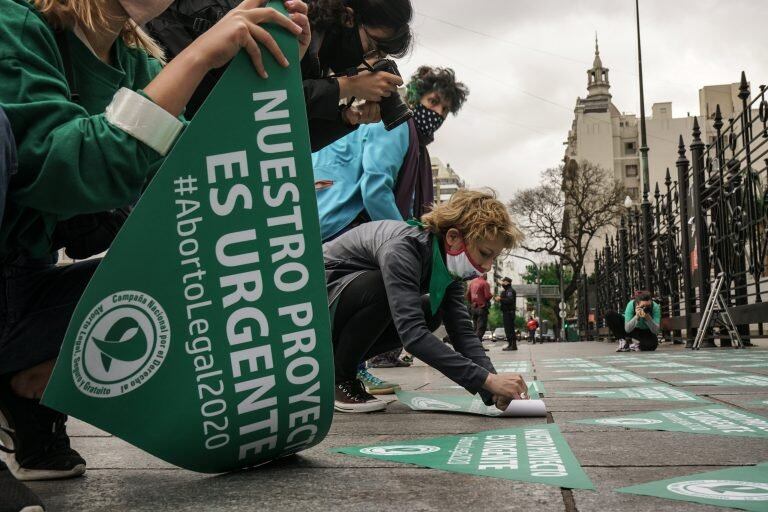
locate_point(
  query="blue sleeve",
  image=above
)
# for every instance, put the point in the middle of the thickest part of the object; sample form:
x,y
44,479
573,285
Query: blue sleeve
x,y
383,155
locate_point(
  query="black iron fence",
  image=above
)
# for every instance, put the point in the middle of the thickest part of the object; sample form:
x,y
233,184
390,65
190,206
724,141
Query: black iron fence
x,y
710,216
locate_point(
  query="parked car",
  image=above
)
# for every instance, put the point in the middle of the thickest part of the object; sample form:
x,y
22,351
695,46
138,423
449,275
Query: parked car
x,y
488,336
499,334
547,336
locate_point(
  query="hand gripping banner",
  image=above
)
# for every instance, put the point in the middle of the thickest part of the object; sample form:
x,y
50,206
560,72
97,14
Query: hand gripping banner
x,y
204,338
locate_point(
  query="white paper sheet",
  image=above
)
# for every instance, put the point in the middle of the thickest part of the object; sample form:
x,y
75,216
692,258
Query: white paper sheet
x,y
525,408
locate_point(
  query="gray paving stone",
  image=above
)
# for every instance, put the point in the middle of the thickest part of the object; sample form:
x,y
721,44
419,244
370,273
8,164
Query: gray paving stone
x,y
624,447
286,487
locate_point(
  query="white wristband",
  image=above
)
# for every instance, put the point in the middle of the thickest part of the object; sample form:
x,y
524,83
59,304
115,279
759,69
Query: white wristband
x,y
144,120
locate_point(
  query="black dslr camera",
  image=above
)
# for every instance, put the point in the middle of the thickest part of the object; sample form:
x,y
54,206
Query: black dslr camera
x,y
394,111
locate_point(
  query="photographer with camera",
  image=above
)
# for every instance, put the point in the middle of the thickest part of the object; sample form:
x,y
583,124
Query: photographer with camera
x,y
382,171
640,323
344,34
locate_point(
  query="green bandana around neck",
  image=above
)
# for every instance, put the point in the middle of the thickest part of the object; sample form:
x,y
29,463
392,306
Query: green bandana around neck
x,y
440,279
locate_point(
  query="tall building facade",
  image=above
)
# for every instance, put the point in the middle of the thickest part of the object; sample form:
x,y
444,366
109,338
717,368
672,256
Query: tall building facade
x,y
603,134
445,181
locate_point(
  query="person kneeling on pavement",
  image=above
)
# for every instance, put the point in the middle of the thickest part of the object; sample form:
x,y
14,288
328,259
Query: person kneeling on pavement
x,y
640,323
391,284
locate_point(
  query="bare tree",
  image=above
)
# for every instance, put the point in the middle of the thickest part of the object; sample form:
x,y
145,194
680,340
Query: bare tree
x,y
574,202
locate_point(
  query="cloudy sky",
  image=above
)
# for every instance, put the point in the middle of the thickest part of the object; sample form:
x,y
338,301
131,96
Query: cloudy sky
x,y
525,64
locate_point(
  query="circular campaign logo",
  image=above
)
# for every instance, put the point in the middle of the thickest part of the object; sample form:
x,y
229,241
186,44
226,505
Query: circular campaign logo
x,y
422,402
628,421
731,490
121,343
415,449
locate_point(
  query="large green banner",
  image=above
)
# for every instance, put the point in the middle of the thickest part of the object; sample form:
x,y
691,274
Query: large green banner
x,y
661,393
203,338
530,454
419,401
745,488
710,420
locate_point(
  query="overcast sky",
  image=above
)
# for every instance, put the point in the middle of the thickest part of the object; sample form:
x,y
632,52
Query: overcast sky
x,y
525,64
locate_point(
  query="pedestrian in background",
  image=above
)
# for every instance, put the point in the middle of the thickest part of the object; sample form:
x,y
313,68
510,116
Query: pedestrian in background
x,y
507,299
479,297
531,326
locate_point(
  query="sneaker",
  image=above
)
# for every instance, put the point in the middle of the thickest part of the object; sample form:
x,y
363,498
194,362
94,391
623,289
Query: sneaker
x,y
36,440
622,345
635,347
350,396
374,385
381,364
16,496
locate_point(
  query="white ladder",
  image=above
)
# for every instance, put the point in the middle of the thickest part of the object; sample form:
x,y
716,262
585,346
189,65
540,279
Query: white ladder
x,y
717,311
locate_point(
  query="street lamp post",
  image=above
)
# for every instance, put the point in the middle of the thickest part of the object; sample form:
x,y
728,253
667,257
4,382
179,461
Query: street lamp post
x,y
646,186
538,285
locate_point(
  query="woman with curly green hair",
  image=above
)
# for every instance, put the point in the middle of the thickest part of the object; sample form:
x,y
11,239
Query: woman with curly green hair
x,y
378,174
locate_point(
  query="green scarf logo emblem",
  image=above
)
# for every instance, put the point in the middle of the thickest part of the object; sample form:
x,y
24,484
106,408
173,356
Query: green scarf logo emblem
x,y
120,344
128,346
722,490
406,449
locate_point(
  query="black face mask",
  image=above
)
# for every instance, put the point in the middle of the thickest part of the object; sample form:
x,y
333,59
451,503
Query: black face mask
x,y
341,49
427,122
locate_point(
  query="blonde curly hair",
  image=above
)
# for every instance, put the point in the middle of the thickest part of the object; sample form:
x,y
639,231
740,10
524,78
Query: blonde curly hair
x,y
478,215
65,14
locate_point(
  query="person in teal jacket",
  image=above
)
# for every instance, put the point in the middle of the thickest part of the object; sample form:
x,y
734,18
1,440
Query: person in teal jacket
x,y
375,174
640,323
93,114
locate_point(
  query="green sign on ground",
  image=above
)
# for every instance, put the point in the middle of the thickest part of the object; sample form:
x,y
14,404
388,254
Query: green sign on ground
x,y
591,370
696,370
203,338
661,393
736,380
611,377
745,488
710,420
535,386
529,454
659,364
420,401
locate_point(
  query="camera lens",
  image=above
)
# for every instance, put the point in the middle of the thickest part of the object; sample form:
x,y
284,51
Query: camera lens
x,y
394,111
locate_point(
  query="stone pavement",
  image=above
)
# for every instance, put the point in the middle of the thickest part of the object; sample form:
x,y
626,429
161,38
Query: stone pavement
x,y
123,478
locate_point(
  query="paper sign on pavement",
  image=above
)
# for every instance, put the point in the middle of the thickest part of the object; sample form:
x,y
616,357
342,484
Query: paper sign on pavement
x,y
470,404
661,393
710,420
736,380
744,488
537,454
610,377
